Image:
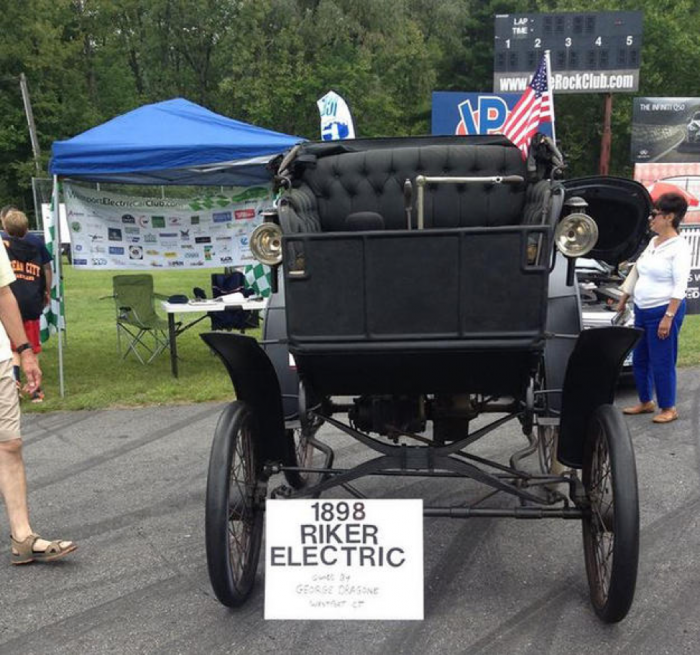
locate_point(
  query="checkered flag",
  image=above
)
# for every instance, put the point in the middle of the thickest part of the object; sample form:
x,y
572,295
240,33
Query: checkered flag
x,y
53,317
257,278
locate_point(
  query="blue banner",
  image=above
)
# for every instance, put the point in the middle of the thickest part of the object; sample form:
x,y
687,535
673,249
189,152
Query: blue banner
x,y
455,112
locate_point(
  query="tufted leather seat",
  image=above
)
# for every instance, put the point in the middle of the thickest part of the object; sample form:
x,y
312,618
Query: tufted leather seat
x,y
333,187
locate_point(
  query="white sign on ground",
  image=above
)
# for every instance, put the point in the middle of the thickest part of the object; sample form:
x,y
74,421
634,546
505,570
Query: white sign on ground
x,y
344,559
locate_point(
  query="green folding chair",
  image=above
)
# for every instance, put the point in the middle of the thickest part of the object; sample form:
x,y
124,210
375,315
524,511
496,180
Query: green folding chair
x,y
137,319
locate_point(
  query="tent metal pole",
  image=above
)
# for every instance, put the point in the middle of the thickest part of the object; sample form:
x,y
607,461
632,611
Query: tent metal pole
x,y
59,280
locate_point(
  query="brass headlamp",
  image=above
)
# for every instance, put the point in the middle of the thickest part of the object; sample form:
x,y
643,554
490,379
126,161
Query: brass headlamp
x,y
577,233
266,244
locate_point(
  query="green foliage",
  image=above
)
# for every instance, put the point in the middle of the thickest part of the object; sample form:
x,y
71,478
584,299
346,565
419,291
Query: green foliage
x,y
268,61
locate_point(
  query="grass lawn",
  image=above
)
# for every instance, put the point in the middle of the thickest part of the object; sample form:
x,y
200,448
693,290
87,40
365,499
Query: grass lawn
x,y
94,374
689,348
96,377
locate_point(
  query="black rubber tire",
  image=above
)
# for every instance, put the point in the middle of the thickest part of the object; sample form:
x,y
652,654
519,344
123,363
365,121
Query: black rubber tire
x,y
234,506
611,530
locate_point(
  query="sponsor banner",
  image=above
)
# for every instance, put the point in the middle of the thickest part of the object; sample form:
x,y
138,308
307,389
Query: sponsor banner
x,y
692,294
665,130
114,231
685,176
474,113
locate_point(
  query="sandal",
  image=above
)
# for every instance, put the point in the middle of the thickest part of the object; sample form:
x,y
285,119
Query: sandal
x,y
26,553
666,416
648,407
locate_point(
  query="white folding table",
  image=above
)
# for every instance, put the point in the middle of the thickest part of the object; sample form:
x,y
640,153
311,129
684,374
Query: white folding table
x,y
200,307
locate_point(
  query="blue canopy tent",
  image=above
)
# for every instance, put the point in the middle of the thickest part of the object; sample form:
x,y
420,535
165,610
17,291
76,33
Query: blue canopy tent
x,y
171,142
175,142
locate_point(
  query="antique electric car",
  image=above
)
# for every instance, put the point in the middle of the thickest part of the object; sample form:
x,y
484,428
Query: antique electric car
x,y
420,283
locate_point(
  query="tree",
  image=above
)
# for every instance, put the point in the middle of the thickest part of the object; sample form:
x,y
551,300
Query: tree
x,y
268,61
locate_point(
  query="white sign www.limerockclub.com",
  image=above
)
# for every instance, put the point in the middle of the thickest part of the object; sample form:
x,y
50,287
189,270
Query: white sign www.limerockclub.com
x,y
344,559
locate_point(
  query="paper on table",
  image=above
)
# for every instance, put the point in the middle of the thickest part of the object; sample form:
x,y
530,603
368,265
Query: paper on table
x,y
237,297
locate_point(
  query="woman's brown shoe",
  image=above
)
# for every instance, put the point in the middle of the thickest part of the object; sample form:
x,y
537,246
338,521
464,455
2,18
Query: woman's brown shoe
x,y
666,416
641,408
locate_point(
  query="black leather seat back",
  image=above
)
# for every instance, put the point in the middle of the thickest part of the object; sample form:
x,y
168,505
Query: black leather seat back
x,y
373,181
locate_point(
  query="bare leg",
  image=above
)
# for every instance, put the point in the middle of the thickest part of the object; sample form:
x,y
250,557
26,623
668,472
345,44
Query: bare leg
x,y
13,488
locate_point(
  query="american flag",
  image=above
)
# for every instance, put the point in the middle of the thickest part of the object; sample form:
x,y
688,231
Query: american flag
x,y
534,107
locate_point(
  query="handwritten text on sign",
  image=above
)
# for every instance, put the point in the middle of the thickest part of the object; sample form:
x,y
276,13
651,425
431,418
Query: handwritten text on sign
x,y
337,559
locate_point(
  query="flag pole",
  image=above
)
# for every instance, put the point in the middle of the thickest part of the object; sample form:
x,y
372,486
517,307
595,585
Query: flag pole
x,y
550,85
57,272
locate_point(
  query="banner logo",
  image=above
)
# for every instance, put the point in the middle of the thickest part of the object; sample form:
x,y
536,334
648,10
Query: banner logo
x,y
486,117
243,214
336,120
221,217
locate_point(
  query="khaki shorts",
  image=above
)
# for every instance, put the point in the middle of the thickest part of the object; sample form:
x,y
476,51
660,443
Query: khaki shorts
x,y
9,403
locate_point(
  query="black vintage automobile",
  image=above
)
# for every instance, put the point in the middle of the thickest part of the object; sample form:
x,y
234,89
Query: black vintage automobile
x,y
420,283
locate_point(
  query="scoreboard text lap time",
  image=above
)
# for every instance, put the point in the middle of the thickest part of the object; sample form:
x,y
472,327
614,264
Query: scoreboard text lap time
x,y
590,52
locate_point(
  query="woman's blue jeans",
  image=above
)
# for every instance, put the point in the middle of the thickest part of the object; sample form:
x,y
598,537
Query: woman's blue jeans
x,y
654,359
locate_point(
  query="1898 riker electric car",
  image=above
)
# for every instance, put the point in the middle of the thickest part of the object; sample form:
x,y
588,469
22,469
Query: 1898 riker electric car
x,y
420,283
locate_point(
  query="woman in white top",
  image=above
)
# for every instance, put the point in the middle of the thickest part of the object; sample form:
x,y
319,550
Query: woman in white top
x,y
658,288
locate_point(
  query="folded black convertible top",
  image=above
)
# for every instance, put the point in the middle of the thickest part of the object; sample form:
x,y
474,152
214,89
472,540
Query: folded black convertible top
x,y
327,148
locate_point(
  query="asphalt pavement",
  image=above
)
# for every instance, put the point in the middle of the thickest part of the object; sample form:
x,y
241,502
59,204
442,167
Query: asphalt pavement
x,y
128,485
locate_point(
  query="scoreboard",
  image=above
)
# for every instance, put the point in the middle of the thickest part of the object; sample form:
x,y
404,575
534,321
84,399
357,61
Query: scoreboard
x,y
590,52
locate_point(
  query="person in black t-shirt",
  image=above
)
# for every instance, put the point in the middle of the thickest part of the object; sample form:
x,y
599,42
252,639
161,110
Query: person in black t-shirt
x,y
29,287
46,257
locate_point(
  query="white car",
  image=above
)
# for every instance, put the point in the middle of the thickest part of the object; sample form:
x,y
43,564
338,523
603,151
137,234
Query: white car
x,y
692,130
599,285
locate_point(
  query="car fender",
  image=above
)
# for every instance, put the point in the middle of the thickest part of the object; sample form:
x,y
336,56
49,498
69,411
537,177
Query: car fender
x,y
255,382
590,381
